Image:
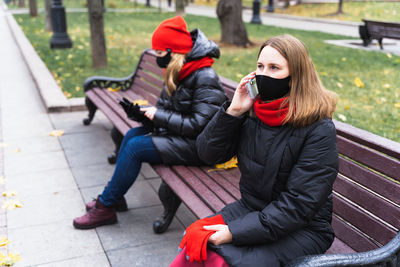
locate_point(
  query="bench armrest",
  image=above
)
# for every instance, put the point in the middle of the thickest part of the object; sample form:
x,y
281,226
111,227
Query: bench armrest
x,y
376,257
106,82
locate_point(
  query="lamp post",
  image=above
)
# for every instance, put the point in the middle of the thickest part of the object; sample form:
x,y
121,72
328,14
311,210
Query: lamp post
x,y
270,6
256,13
60,38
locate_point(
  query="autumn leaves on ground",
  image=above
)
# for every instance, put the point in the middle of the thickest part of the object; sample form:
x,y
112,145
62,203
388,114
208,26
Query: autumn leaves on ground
x,y
10,202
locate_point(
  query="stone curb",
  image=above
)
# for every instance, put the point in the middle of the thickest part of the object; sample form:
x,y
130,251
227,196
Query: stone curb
x,y
51,94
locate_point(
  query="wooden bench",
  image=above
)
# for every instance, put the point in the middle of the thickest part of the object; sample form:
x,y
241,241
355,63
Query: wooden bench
x,y
378,30
366,193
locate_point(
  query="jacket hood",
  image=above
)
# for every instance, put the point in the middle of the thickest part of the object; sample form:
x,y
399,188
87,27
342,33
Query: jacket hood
x,y
202,47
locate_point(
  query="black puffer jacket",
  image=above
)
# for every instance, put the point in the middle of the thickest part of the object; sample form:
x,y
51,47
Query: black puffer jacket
x,y
182,116
286,182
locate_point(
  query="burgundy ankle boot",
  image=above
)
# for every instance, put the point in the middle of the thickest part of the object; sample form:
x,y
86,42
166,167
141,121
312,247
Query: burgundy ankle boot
x,y
97,216
119,206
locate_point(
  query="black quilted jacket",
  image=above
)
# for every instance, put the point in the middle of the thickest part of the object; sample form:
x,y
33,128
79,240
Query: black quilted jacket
x,y
286,183
182,116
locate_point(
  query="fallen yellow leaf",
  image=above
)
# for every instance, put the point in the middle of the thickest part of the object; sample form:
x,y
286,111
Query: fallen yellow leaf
x,y
10,259
389,55
17,150
232,163
113,89
111,37
397,105
12,204
56,133
358,82
140,102
4,241
9,193
340,85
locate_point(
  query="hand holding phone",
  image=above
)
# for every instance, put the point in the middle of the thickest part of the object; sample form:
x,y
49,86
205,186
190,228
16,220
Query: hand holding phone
x,y
252,89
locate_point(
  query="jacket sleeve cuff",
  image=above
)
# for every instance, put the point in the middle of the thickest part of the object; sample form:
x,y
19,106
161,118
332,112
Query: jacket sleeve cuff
x,y
247,230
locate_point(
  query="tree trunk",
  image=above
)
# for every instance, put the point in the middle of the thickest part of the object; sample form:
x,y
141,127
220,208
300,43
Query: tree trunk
x,y
340,7
180,7
21,3
233,31
99,53
49,26
32,8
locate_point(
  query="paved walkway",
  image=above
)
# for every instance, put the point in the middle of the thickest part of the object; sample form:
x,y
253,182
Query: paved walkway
x,y
55,176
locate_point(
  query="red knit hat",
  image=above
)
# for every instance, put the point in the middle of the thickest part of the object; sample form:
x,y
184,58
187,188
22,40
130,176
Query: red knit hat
x,y
172,33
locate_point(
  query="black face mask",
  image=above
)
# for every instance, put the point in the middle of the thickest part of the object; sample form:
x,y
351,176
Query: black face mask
x,y
163,62
270,88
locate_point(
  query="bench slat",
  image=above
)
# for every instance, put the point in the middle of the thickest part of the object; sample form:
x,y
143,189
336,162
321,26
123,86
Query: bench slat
x,y
374,204
108,112
193,202
377,183
148,66
147,87
149,78
338,246
219,190
381,144
220,178
203,192
364,222
369,157
351,237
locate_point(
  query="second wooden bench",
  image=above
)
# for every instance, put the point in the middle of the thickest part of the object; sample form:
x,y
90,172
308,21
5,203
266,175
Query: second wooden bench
x,y
366,194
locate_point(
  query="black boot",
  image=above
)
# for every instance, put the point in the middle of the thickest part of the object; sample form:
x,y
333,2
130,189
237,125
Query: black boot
x,y
171,204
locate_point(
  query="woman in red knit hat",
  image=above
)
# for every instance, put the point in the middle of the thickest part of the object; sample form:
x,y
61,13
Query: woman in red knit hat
x,y
191,96
285,141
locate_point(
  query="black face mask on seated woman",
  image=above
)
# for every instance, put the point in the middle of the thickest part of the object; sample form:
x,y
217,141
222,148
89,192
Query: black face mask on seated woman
x,y
163,62
270,88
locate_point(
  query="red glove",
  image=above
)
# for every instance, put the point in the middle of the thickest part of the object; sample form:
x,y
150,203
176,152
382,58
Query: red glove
x,y
196,238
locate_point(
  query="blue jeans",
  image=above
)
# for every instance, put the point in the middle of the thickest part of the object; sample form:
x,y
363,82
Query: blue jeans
x,y
136,147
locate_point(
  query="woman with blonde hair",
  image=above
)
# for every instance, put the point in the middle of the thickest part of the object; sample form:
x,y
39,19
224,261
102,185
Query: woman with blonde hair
x,y
192,94
285,142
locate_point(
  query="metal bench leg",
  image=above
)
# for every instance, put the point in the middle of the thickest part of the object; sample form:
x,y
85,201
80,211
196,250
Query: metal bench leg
x,y
171,204
92,110
117,137
364,35
380,43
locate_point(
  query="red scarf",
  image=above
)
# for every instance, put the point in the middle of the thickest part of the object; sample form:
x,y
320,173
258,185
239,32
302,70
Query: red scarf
x,y
271,113
191,66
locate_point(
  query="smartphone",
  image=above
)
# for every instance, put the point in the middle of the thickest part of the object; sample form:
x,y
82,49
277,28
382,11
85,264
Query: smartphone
x,y
252,89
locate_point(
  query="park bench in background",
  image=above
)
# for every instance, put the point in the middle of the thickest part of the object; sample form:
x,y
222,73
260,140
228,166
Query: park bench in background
x,y
378,30
366,194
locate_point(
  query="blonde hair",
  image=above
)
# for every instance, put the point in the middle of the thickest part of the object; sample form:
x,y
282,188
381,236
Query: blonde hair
x,y
172,71
308,99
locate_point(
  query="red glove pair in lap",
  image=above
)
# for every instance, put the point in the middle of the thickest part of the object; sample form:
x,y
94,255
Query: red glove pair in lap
x,y
196,238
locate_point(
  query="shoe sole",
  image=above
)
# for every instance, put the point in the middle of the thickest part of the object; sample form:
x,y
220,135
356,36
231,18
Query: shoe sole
x,y
106,222
121,209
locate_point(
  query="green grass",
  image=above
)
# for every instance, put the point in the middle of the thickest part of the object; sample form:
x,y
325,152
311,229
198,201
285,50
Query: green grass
x,y
373,107
83,4
353,11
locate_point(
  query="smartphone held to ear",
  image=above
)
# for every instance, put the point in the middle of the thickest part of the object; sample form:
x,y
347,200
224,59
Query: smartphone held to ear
x,y
252,89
